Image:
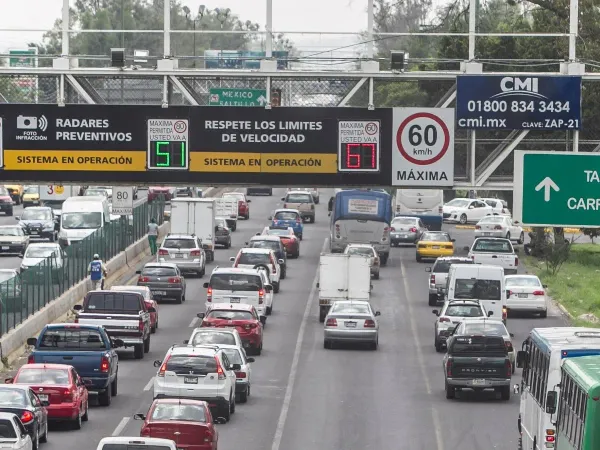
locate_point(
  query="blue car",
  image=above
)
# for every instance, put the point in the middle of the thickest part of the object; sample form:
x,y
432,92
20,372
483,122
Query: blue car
x,y
288,218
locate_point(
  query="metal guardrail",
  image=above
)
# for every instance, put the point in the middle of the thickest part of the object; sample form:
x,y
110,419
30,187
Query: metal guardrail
x,y
25,294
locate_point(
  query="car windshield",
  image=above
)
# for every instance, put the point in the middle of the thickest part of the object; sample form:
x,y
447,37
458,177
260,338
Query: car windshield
x,y
286,215
235,282
350,309
436,237
478,289
11,231
463,311
7,430
175,411
81,220
36,214
13,398
72,338
159,272
254,258
213,337
42,376
117,301
179,243
405,221
299,198
459,203
95,192
6,276
444,266
263,243
366,251
40,252
522,281
233,354
230,315
32,190
493,246
496,328
478,344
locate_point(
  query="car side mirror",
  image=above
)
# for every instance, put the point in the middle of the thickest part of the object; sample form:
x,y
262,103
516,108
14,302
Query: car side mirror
x,y
157,363
17,218
235,367
151,310
436,312
9,380
545,286
427,269
138,272
471,207
377,313
283,199
512,335
232,259
245,243
205,285
200,315
220,420
248,201
250,360
281,261
521,358
257,234
452,240
118,343
20,255
466,249
32,341
268,288
139,417
78,308
516,222
490,313
318,284
551,400
270,218
186,341
263,320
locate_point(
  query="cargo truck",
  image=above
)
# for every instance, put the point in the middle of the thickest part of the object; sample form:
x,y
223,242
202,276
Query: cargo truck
x,y
196,216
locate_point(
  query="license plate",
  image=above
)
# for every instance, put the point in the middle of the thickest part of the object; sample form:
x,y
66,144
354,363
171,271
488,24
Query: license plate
x,y
487,234
234,300
5,247
159,292
180,256
523,295
478,382
190,380
43,397
435,247
350,324
403,236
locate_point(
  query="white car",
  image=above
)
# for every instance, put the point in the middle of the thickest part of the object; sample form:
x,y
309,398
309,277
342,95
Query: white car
x,y
13,434
500,206
526,293
464,210
141,443
249,258
200,373
243,373
499,226
214,336
453,312
266,277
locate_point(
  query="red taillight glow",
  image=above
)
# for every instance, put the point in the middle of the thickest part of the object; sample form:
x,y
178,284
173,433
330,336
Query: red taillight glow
x,y
206,323
163,252
143,280
141,325
163,367
516,261
240,374
432,279
173,280
478,227
104,365
392,229
331,323
498,227
538,292
504,313
550,438
250,326
195,253
413,230
509,293
261,296
30,359
298,220
508,367
509,347
208,436
26,417
369,323
444,319
449,367
220,371
209,294
67,395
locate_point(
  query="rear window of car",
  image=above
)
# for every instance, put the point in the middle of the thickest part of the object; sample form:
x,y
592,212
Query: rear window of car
x,y
99,301
179,243
134,447
254,258
159,272
235,282
230,315
444,266
299,198
7,430
522,281
478,289
72,339
436,237
13,397
463,311
42,376
488,328
192,364
495,219
406,221
213,337
271,245
493,245
478,344
350,309
174,411
286,215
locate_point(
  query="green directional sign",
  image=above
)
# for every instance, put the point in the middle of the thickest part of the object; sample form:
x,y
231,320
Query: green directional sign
x,y
237,97
557,189
22,58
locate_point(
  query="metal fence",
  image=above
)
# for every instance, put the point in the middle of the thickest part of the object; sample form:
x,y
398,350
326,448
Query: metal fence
x,y
35,287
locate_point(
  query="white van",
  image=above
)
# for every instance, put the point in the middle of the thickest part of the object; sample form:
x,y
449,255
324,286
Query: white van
x,y
478,282
426,204
81,216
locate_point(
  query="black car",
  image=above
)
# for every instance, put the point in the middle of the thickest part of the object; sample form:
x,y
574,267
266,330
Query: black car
x,y
259,190
39,222
23,402
184,191
272,243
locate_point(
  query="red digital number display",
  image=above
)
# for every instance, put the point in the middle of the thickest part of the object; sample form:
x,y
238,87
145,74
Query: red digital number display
x,y
359,157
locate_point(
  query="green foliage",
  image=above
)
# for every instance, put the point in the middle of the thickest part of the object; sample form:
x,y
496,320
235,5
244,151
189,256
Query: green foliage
x,y
592,233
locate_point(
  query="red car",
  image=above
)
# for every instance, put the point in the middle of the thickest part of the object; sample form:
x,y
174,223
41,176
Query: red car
x,y
148,299
6,201
155,191
289,240
187,422
243,207
61,386
242,317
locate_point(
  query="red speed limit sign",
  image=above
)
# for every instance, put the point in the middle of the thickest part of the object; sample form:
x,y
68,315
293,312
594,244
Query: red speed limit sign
x,y
423,147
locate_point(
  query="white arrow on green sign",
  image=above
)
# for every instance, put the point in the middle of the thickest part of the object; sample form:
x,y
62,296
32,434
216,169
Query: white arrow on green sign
x,y
557,189
237,97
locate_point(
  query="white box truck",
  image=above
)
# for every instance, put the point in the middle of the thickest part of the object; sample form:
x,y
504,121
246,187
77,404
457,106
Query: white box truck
x,y
54,195
342,277
195,216
227,208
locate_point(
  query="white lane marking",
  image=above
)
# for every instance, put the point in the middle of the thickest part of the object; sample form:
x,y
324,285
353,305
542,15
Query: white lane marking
x,y
149,384
285,407
413,326
194,322
121,426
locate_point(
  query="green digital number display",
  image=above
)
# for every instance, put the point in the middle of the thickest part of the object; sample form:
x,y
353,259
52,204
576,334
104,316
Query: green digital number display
x,y
168,155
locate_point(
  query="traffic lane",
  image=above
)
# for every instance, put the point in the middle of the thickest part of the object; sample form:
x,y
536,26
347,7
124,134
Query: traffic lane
x,y
355,398
11,220
472,421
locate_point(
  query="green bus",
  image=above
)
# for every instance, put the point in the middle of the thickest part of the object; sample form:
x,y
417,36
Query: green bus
x,y
578,418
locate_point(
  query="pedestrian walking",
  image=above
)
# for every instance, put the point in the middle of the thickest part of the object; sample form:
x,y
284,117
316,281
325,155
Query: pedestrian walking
x,y
97,272
152,235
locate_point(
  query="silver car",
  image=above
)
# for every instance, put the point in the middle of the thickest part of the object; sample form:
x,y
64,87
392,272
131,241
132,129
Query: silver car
x,y
222,233
13,239
406,230
351,321
439,276
185,251
453,313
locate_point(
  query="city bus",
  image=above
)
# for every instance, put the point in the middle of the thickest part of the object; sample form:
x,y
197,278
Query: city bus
x,y
578,415
541,358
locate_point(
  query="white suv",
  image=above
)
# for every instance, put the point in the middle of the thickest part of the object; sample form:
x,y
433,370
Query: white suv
x,y
200,373
249,258
452,314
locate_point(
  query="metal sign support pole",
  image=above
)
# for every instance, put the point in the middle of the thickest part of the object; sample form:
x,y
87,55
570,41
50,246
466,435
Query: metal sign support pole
x,y
167,29
573,32
269,36
65,28
472,27
370,29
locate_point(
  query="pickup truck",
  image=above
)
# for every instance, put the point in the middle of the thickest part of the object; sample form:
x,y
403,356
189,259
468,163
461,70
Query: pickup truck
x,y
88,348
494,252
477,363
124,315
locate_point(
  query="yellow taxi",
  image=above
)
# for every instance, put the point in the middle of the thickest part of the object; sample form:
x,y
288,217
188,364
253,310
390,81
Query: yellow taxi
x,y
31,196
16,192
434,244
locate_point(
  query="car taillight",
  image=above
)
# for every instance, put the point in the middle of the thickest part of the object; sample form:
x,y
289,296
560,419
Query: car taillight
x,y
209,295
26,417
369,323
392,229
498,227
240,374
163,252
449,368
508,293
206,323
104,364
261,296
504,313
432,280
195,253
67,395
249,326
208,436
143,280
509,347
145,432
508,367
473,257
163,367
550,435
516,261
220,371
444,319
478,227
538,292
30,359
141,326
173,280
413,230
273,269
298,220
76,320
331,323
275,222
285,205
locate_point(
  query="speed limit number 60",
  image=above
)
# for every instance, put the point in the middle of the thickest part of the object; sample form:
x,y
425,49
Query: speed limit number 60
x,y
423,138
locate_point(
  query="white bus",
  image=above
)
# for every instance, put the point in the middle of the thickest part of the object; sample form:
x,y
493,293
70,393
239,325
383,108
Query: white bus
x,y
541,358
426,204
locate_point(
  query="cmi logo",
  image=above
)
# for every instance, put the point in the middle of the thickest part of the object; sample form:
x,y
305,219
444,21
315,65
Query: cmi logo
x,y
515,86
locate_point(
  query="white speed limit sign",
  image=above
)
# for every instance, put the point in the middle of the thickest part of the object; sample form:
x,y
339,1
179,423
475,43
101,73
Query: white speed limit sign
x,y
423,147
